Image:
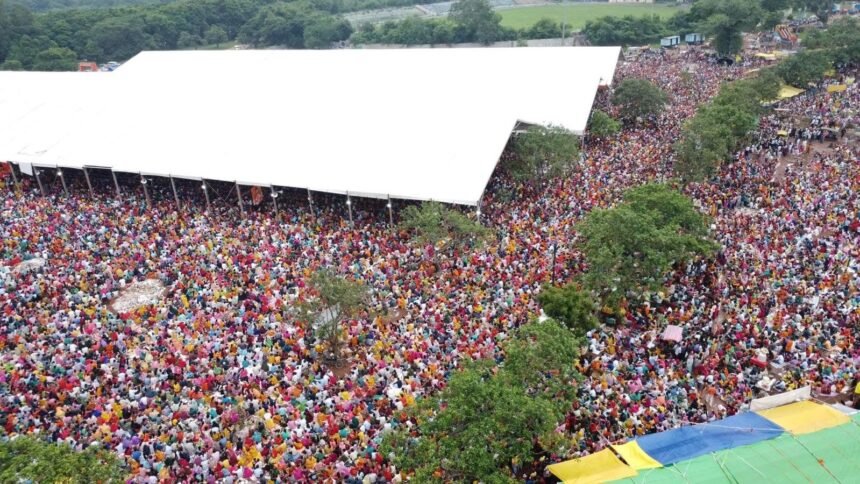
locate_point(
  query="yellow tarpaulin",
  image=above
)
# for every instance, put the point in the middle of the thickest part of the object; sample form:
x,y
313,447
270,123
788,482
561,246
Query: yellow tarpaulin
x,y
786,92
836,88
805,417
635,456
598,467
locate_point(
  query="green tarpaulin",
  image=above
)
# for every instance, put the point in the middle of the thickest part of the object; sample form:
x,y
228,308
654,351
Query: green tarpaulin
x,y
827,456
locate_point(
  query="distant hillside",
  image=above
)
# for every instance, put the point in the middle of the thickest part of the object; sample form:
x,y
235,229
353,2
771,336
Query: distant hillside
x,y
43,5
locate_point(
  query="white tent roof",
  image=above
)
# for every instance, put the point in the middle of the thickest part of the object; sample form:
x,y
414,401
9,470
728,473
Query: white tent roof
x,y
415,123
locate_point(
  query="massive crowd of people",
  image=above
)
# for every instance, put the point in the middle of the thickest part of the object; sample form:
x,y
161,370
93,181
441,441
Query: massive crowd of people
x,y
218,381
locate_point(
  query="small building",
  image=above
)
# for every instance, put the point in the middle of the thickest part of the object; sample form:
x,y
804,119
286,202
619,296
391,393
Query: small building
x,y
694,38
88,67
670,41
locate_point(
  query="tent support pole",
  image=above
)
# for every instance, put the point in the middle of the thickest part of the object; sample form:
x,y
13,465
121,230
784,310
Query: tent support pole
x,y
175,195
349,207
206,194
390,212
274,199
116,185
145,192
39,181
311,204
14,176
63,181
89,184
239,197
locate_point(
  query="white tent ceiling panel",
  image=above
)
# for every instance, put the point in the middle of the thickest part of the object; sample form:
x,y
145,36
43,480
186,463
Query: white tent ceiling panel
x,y
417,124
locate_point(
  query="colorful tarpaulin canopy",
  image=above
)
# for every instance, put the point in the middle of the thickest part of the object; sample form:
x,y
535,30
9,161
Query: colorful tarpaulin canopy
x,y
805,417
827,456
786,92
689,442
673,333
635,457
601,466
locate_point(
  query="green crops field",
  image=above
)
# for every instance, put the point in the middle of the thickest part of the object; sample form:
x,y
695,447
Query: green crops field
x,y
576,15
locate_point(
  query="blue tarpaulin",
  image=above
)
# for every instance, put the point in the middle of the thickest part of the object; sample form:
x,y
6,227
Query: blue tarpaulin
x,y
691,442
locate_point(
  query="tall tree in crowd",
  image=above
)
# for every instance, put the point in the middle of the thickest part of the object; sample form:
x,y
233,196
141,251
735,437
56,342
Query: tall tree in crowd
x,y
541,153
336,299
434,223
489,418
638,98
630,248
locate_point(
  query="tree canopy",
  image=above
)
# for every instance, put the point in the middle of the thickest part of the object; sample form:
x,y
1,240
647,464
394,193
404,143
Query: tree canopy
x,y
336,298
629,248
489,417
477,20
840,41
541,153
435,223
26,459
571,306
638,98
603,125
711,136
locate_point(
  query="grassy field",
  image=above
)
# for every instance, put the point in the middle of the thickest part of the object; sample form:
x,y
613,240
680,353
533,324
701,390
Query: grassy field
x,y
576,15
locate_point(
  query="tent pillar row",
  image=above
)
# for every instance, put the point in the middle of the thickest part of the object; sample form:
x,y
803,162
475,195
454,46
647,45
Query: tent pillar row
x,y
390,212
239,197
87,178
206,194
274,198
145,191
349,207
116,185
37,171
14,176
175,195
63,180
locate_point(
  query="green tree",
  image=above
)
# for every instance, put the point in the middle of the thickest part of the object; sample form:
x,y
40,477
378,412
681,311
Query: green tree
x,y
630,248
188,41
55,59
544,28
819,8
638,98
324,30
434,223
489,417
477,20
627,30
570,305
603,125
725,20
803,68
120,38
26,459
215,35
12,65
840,41
336,299
542,152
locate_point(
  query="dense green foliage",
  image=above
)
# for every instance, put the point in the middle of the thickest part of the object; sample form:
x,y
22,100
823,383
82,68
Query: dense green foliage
x,y
542,152
803,68
435,223
629,248
490,417
840,41
602,125
571,306
120,33
26,459
627,30
638,98
468,21
718,128
336,299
